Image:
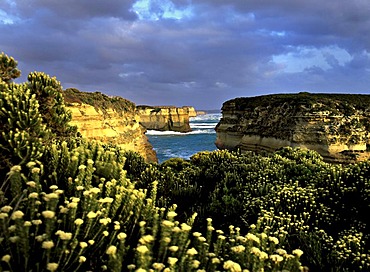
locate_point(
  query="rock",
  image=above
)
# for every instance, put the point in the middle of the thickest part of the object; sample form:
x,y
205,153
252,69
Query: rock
x,y
165,118
110,120
335,125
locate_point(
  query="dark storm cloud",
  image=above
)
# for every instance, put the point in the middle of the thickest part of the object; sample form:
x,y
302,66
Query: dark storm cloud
x,y
184,52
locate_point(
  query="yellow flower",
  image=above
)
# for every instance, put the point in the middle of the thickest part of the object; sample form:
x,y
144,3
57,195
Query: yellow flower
x,y
185,227
297,252
192,251
36,222
146,239
195,264
72,205
27,224
48,214
252,237
95,190
14,239
112,250
276,258
6,258
75,199
106,200
167,223
31,184
173,248
83,244
79,221
53,187
3,215
33,195
105,233
158,266
6,209
91,215
142,249
197,234
79,188
82,259
171,261
238,249
274,240
121,236
105,221
232,266
91,242
17,215
64,235
52,266
47,244
171,214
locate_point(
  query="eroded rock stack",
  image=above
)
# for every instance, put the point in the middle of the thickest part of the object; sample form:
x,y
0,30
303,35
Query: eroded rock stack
x,y
335,125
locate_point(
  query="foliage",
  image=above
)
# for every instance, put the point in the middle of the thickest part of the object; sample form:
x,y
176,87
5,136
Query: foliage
x,y
292,194
8,68
67,204
99,101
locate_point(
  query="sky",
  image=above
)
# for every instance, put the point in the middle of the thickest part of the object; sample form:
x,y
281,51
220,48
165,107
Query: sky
x,y
197,53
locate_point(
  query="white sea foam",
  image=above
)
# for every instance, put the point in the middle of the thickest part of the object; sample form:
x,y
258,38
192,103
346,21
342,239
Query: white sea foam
x,y
207,117
203,125
175,133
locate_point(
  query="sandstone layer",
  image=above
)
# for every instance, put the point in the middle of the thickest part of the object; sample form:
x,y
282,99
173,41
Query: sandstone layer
x,y
335,125
164,118
110,120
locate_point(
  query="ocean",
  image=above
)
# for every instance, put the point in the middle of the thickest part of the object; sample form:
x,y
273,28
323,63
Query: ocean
x,y
171,144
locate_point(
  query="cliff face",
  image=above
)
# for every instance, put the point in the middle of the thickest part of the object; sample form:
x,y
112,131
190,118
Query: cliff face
x,y
112,120
166,118
336,126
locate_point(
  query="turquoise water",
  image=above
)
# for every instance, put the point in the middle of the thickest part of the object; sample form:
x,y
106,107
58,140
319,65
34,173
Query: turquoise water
x,y
170,144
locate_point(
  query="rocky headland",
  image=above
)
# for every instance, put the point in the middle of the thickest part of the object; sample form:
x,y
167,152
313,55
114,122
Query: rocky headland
x,y
164,118
335,125
109,119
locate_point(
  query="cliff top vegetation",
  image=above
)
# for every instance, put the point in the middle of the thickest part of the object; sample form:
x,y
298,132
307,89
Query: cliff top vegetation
x,y
98,100
333,102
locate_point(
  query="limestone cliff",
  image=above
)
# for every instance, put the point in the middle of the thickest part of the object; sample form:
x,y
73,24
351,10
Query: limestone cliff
x,y
335,125
109,119
166,118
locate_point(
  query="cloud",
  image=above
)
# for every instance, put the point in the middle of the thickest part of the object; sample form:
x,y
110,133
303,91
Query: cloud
x,y
183,52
